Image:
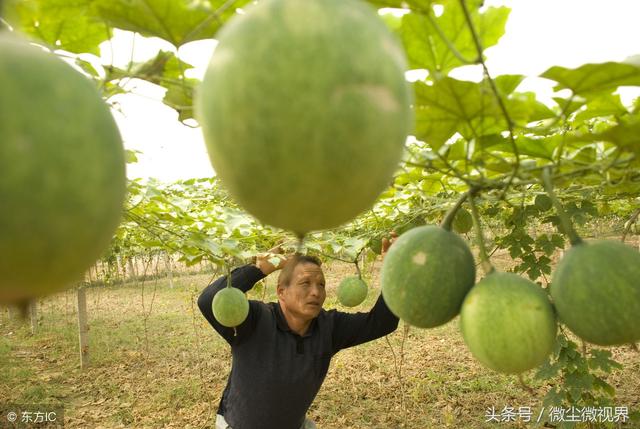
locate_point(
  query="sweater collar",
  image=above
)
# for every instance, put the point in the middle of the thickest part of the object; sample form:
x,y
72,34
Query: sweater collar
x,y
282,324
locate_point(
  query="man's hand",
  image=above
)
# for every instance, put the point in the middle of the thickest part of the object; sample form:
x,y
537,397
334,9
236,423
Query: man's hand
x,y
271,260
387,242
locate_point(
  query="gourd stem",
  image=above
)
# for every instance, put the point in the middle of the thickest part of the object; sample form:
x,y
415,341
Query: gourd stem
x,y
567,226
299,244
484,258
451,214
358,270
355,261
228,266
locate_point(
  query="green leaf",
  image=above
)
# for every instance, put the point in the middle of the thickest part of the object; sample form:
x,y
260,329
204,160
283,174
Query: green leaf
x,y
585,155
89,68
179,96
457,151
601,359
507,83
131,156
579,381
604,386
164,67
176,21
524,108
422,35
588,208
448,105
605,104
593,78
451,105
546,244
561,342
547,370
553,398
569,105
626,134
61,24
529,146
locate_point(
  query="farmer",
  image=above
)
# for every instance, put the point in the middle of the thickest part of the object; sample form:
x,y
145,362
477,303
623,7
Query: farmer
x,y
281,352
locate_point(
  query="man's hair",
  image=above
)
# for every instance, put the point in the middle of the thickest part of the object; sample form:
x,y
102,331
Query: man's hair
x,y
284,279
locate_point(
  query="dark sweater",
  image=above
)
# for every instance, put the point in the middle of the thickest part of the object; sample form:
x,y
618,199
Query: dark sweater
x,y
276,373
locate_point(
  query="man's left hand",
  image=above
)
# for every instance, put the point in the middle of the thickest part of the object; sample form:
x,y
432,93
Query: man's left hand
x,y
271,260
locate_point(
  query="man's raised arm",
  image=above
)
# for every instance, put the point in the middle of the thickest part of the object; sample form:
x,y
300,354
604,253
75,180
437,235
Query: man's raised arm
x,y
243,278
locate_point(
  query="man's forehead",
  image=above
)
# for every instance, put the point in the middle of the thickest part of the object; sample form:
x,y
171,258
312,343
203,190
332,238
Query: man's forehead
x,y
308,269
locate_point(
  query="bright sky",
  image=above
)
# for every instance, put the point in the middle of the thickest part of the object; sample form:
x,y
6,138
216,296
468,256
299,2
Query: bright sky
x,y
539,34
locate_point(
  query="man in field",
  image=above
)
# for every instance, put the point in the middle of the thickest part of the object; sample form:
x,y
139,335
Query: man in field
x,y
281,352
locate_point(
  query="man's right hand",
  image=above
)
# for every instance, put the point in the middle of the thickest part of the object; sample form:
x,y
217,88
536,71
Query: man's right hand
x,y
387,242
271,260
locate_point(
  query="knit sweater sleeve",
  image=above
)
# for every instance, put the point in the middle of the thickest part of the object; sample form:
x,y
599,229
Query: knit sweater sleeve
x,y
351,329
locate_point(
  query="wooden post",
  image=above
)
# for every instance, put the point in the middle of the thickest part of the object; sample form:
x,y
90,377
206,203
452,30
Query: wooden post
x,y
83,327
33,312
132,269
167,260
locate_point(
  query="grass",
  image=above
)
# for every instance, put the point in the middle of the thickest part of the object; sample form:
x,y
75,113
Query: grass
x,y
155,362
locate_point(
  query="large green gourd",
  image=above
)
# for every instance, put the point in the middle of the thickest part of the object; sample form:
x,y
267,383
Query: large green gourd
x,y
426,275
305,110
230,307
463,222
508,323
62,172
596,290
352,291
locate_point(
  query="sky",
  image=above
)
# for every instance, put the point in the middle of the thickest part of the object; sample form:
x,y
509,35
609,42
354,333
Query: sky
x,y
539,34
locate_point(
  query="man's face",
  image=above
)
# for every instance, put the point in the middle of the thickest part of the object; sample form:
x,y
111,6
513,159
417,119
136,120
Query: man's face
x,y
306,293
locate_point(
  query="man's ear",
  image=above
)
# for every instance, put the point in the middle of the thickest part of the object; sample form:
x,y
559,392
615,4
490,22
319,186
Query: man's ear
x,y
279,290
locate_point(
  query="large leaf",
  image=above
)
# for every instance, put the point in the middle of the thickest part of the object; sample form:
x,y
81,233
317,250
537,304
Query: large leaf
x,y
176,21
593,78
606,104
166,70
61,24
507,83
449,105
625,134
427,38
524,108
532,147
179,96
569,105
165,67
